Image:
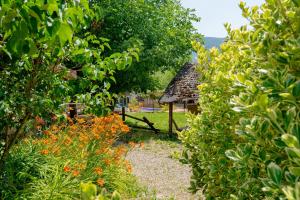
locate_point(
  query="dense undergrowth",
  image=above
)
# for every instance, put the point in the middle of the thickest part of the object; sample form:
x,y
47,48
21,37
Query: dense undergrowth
x,y
245,142
54,164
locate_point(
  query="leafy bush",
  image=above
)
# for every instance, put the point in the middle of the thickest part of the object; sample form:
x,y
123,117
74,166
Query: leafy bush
x,y
89,192
54,165
41,43
245,142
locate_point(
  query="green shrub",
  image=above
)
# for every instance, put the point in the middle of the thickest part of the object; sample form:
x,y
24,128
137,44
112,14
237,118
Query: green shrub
x,y
245,143
89,192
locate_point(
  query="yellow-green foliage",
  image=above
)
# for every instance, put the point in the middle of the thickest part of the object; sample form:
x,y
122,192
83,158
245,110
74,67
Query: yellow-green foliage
x,y
245,143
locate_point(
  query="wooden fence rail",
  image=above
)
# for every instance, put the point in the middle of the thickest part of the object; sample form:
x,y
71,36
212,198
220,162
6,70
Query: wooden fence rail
x,y
144,119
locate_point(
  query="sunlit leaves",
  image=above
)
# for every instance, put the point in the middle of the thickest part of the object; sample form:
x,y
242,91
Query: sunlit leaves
x,y
47,58
65,33
250,88
275,173
162,30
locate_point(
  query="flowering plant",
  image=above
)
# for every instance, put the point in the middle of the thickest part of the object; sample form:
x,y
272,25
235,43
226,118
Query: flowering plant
x,y
86,150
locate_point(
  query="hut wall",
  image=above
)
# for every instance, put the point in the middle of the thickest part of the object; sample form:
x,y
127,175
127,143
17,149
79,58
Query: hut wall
x,y
193,109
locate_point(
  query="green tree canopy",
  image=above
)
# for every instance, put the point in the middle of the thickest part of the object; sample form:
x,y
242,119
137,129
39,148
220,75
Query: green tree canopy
x,y
40,41
162,29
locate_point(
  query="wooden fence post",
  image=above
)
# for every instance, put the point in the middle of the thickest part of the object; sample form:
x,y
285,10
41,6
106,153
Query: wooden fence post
x,y
123,113
170,118
73,110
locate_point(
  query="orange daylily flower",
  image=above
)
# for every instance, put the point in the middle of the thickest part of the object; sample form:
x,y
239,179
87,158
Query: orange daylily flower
x,y
100,182
68,141
128,166
80,120
46,132
125,128
76,173
44,152
67,169
107,161
132,144
142,145
98,170
45,142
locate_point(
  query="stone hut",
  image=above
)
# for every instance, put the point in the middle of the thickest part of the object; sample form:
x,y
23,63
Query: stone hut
x,y
182,88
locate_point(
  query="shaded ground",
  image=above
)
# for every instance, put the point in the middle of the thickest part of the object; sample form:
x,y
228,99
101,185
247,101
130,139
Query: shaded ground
x,y
157,168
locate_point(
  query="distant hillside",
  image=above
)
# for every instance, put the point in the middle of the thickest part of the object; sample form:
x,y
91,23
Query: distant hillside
x,y
213,42
209,43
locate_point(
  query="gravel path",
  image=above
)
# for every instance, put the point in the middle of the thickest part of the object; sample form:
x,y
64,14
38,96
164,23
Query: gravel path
x,y
157,171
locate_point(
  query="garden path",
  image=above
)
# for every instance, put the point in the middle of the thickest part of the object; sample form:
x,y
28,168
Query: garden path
x,y
158,170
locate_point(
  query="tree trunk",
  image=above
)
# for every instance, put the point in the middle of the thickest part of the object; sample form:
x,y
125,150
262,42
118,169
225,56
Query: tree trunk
x,y
11,140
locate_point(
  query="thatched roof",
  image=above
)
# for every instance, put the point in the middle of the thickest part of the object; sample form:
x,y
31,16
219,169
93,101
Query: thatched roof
x,y
183,86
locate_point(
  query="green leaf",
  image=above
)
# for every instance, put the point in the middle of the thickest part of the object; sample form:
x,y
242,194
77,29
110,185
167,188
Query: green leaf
x,y
264,126
54,27
115,196
263,100
290,140
7,52
272,114
289,177
295,171
240,78
296,90
65,33
89,191
136,55
52,7
293,153
286,95
296,2
34,13
233,155
16,42
290,116
275,173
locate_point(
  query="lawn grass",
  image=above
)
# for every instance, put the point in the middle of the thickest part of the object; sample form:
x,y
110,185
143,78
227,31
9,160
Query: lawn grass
x,y
160,119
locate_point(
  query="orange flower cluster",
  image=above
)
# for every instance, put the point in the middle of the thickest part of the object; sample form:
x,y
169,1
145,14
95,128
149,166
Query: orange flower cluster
x,y
119,152
100,182
142,145
128,166
98,170
67,169
74,172
44,152
87,139
133,144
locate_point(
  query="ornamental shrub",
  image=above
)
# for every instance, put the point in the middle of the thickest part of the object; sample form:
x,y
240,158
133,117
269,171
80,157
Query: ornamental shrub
x,y
53,165
245,142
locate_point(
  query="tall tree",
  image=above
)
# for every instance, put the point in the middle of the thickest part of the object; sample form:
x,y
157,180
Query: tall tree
x,y
39,41
162,29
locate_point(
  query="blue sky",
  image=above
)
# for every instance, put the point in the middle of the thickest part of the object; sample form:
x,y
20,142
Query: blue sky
x,y
214,13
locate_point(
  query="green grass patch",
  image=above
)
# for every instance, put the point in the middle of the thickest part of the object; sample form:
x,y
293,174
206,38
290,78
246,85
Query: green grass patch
x,y
160,119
